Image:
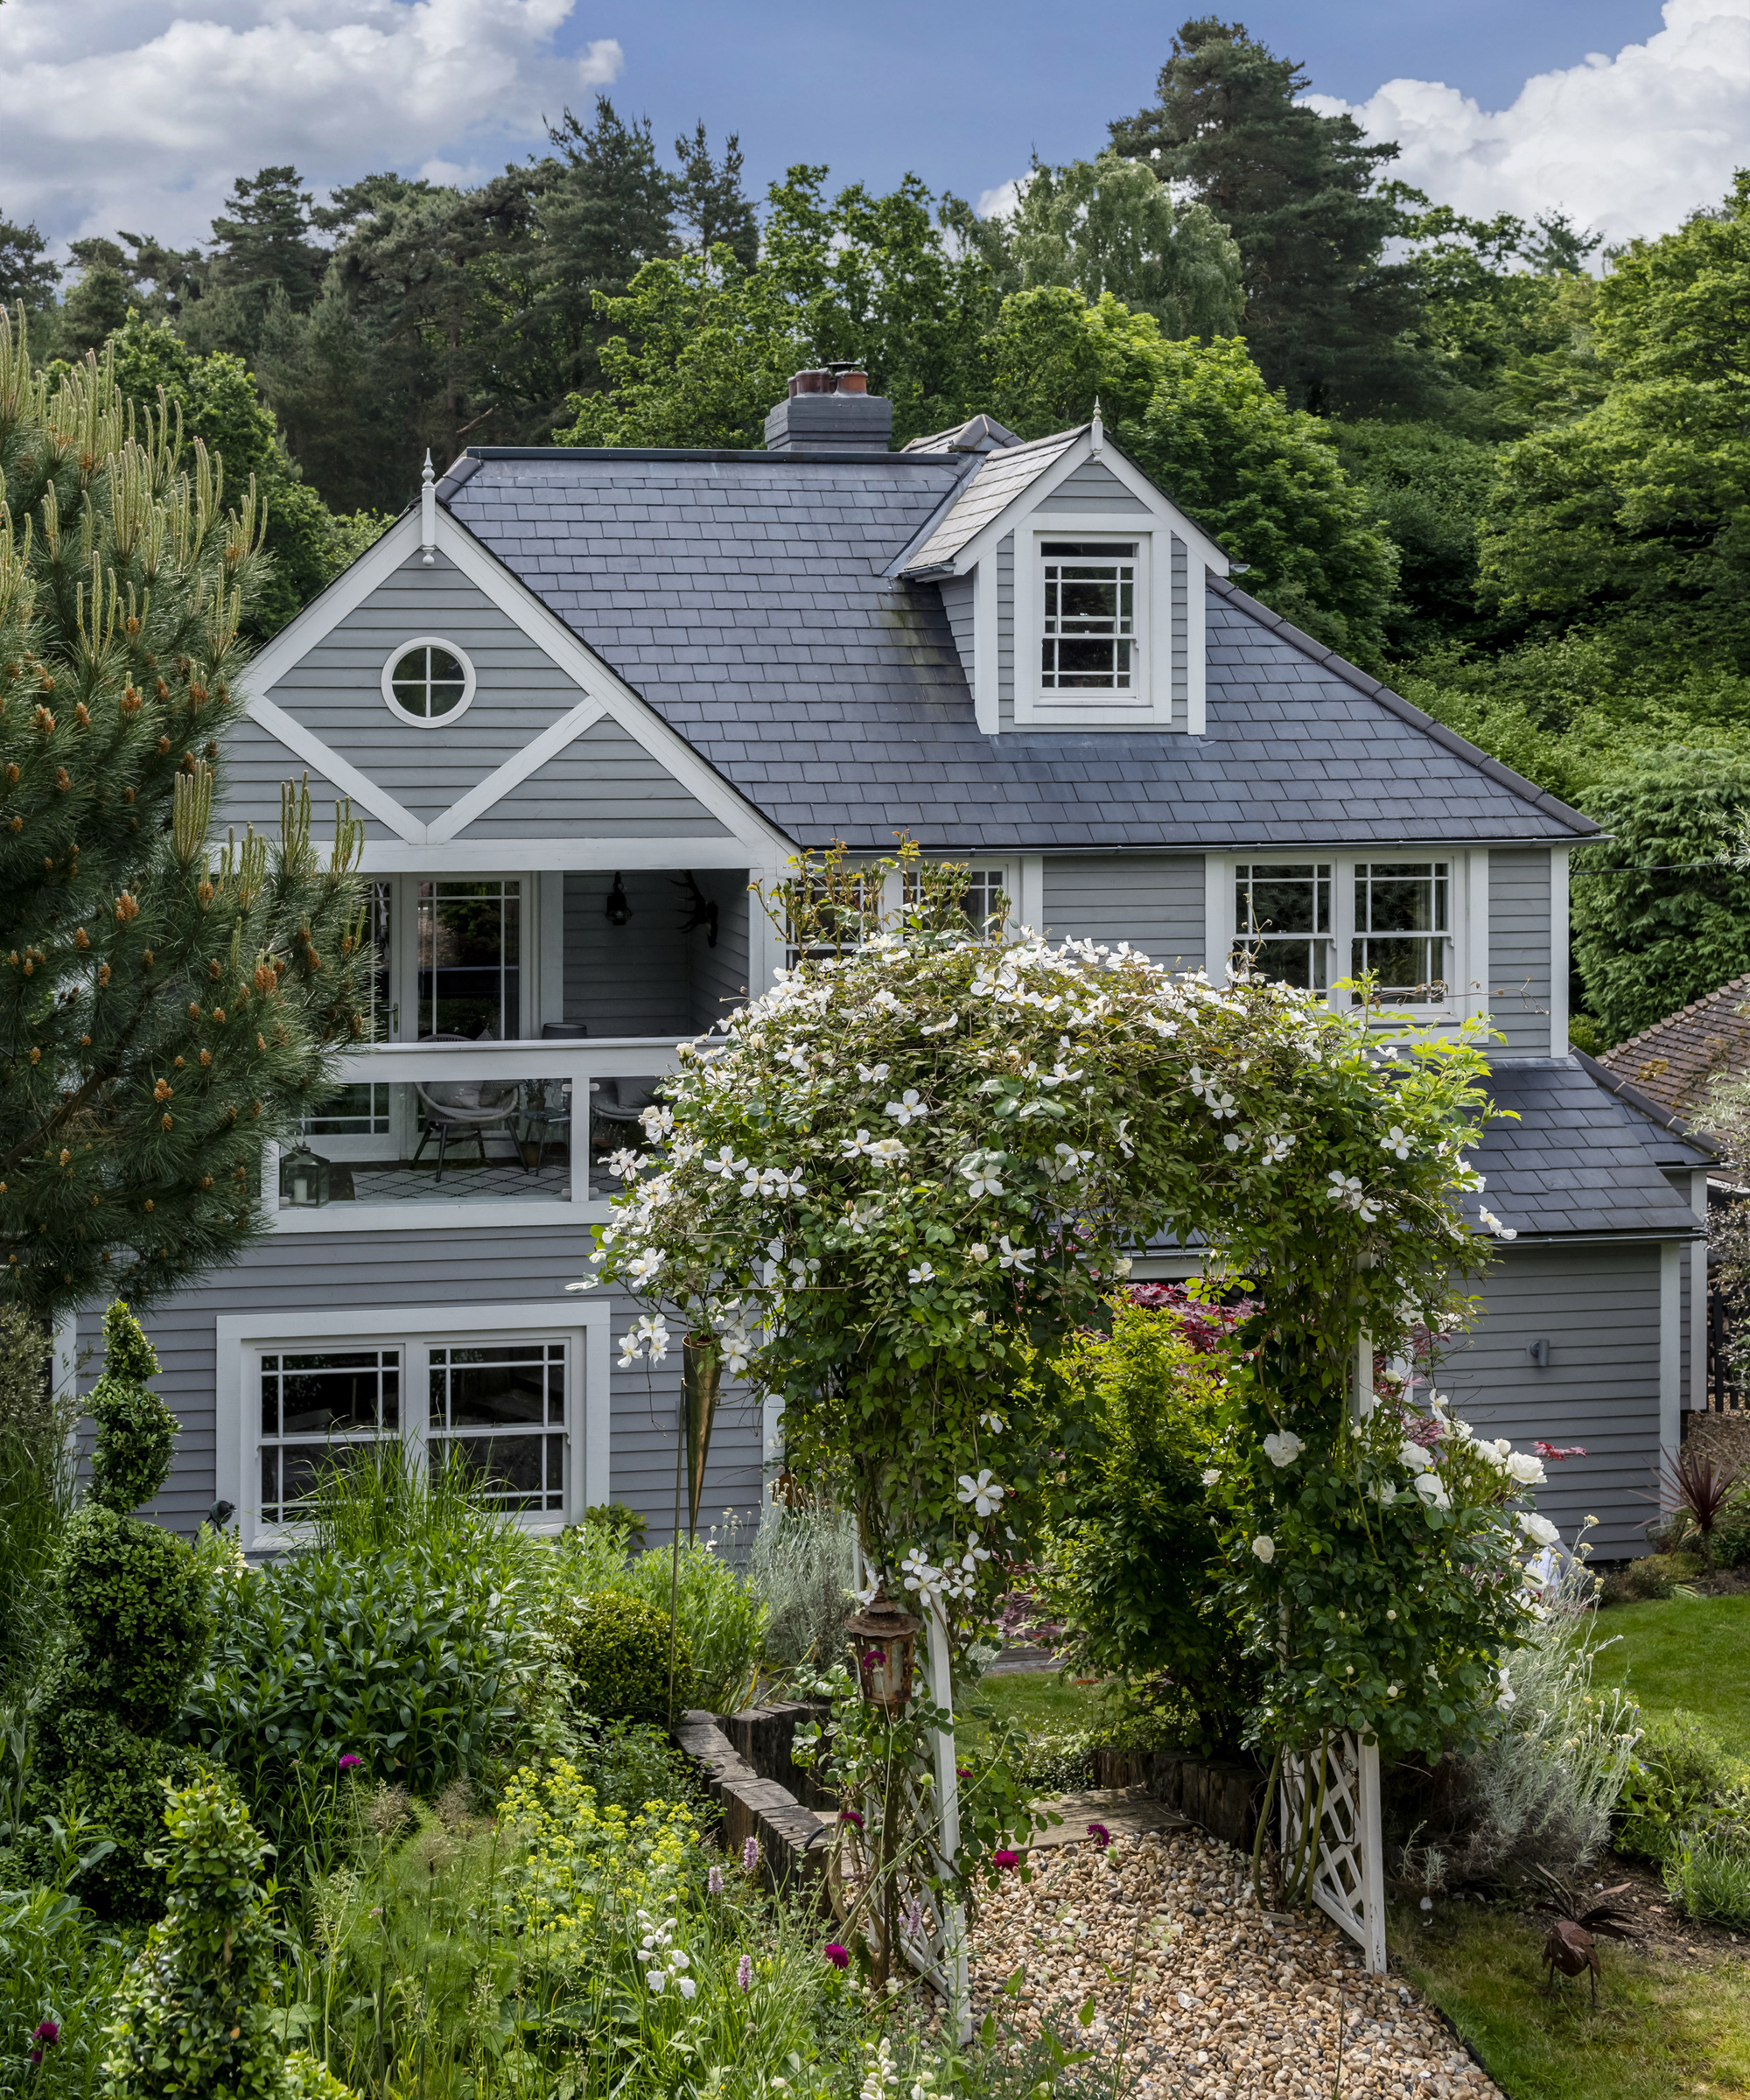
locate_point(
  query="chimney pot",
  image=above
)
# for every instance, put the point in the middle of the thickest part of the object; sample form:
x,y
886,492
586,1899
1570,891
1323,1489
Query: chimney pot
x,y
853,383
810,382
831,410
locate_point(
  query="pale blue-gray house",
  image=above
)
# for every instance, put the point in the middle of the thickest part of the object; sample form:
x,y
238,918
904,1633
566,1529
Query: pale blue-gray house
x,y
582,700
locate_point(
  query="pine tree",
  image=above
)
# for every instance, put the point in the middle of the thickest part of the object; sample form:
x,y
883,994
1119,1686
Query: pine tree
x,y
710,206
164,1008
266,241
1324,313
27,276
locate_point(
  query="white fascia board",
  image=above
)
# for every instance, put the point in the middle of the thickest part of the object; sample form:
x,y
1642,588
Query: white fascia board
x,y
549,633
539,856
984,541
328,608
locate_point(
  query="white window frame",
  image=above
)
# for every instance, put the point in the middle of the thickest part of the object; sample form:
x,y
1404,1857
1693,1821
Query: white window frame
x,y
1151,704
1465,869
242,1339
428,641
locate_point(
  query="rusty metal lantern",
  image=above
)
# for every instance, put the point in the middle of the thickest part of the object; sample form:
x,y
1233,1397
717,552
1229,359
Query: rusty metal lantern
x,y
881,1640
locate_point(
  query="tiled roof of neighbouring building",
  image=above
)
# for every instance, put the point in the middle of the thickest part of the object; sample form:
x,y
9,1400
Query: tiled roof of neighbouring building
x,y
1675,1059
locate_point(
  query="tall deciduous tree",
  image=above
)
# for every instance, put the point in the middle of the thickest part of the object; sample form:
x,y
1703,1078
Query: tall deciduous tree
x,y
165,1007
1107,225
1299,191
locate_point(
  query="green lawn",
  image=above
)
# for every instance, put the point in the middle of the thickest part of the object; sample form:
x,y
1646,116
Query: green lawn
x,y
1038,1698
1692,1652
1659,2029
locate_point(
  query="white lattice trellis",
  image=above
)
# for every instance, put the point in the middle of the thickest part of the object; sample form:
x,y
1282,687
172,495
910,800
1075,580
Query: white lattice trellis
x,y
1348,1882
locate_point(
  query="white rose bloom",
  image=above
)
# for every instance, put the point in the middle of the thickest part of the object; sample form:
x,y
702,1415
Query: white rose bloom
x,y
1427,1485
1526,1467
1537,1529
1415,1456
1284,1448
1264,1546
1210,1475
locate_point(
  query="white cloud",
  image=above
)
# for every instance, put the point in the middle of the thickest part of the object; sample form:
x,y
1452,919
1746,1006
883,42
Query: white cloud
x,y
1001,201
1628,145
139,112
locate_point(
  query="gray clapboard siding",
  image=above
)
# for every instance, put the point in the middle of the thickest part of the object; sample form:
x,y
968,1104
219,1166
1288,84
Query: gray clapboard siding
x,y
1093,485
252,765
956,602
1597,1307
719,974
1153,900
1519,948
335,689
633,979
605,784
304,1272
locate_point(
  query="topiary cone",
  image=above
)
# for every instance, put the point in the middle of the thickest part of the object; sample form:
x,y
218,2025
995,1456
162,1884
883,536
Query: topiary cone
x,y
137,1628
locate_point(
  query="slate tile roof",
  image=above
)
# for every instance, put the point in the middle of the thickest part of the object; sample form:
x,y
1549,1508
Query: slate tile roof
x,y
1003,476
1579,1160
745,595
1673,1062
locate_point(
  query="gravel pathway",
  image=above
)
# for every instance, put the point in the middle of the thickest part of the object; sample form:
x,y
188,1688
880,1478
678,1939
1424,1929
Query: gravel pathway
x,y
1204,1994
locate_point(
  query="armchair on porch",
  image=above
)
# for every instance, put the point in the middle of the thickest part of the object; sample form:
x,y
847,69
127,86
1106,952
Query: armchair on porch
x,y
464,1105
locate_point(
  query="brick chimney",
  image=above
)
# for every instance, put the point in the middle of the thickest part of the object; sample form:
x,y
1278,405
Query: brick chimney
x,y
831,410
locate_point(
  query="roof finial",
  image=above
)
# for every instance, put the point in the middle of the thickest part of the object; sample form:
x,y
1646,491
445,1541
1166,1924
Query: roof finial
x,y
1097,428
428,512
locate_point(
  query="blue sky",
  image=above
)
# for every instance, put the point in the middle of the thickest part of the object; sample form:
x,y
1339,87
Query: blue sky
x,y
137,114
965,93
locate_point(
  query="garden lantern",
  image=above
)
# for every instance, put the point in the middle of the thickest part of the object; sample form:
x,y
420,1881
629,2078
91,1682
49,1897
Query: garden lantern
x,y
304,1179
881,1640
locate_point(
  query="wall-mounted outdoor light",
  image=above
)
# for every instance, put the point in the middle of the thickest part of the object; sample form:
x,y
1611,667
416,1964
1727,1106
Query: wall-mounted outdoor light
x,y
1539,1353
618,904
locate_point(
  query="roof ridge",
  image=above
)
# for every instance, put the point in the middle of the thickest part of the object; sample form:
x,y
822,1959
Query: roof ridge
x,y
1407,711
1694,1006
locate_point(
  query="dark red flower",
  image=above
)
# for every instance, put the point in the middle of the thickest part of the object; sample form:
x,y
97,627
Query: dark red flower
x,y
349,1762
1006,1858
839,1957
851,1816
1100,1834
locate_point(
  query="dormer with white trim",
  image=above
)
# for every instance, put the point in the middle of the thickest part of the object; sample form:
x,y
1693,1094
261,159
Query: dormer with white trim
x,y
1074,588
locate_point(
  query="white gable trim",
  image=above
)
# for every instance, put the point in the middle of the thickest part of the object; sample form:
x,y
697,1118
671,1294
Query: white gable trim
x,y
346,594
515,769
338,772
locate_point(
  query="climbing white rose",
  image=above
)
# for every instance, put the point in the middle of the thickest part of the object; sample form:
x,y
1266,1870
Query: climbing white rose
x,y
1264,1546
1537,1529
1526,1467
1284,1448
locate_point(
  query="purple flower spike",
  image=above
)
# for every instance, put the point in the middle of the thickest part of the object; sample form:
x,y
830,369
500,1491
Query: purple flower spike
x,y
839,1957
1100,1834
851,1816
744,1972
714,1881
750,1855
350,1763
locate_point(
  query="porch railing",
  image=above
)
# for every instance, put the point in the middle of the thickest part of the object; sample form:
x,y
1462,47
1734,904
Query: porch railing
x,y
413,1128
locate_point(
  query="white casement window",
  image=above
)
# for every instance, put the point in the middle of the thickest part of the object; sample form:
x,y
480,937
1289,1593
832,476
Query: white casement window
x,y
987,884
514,1399
1318,923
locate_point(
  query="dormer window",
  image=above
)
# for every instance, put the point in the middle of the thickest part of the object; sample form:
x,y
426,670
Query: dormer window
x,y
1089,603
427,682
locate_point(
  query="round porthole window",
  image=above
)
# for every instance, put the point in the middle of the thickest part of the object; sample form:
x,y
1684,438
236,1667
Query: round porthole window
x,y
427,682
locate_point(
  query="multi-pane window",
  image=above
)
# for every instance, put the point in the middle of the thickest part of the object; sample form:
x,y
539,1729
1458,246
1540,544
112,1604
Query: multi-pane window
x,y
317,1407
429,681
981,899
499,1410
496,1407
470,959
1401,928
1282,922
1089,643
